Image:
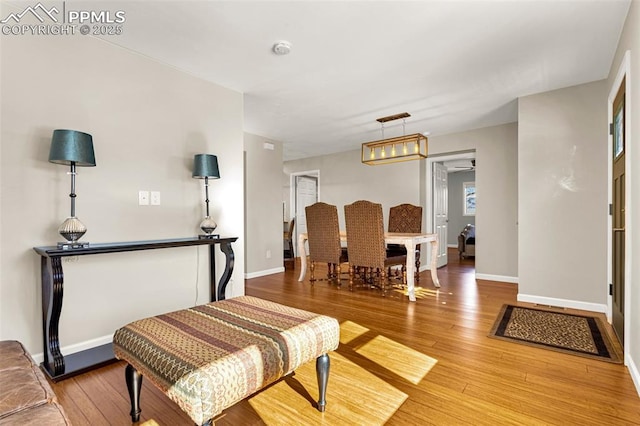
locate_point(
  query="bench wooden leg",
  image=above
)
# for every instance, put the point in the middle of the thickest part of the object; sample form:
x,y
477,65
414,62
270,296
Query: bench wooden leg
x,y
134,384
322,371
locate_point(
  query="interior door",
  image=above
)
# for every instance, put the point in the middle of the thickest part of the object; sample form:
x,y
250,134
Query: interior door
x,y
441,209
306,194
618,212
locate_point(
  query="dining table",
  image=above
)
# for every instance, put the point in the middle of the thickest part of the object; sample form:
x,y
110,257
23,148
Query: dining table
x,y
409,240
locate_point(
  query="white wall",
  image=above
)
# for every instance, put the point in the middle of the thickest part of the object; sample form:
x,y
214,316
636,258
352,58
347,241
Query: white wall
x,y
147,122
562,165
344,179
263,201
630,41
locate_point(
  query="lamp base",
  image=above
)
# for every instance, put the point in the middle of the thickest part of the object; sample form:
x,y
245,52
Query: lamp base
x,y
208,236
72,230
208,225
70,246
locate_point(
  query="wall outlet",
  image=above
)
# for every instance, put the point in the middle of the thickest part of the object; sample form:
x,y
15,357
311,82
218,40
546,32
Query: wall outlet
x,y
155,198
143,198
268,254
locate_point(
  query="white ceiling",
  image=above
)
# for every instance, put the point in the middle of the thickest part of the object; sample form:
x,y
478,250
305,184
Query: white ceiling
x,y
453,65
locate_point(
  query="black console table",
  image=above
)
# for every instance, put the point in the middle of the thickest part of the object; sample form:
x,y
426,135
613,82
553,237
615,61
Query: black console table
x,y
58,366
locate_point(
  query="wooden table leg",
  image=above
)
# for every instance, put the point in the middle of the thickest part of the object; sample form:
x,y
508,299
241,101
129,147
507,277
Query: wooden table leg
x,y
228,269
302,252
434,262
52,290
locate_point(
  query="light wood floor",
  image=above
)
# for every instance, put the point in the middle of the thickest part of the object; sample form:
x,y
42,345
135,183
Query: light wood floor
x,y
399,363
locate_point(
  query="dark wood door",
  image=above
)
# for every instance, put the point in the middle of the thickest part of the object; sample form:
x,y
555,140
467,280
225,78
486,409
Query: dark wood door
x,y
618,222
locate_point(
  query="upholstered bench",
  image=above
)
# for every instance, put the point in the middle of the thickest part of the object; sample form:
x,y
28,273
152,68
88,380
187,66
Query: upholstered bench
x,y
209,357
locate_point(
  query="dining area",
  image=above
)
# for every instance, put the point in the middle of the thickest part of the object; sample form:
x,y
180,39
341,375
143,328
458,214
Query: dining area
x,y
371,256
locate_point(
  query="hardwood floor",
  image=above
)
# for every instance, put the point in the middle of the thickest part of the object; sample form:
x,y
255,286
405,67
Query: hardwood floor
x,y
399,363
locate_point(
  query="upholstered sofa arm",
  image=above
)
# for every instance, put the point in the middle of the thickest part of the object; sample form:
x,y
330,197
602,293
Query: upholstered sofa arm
x,y
25,395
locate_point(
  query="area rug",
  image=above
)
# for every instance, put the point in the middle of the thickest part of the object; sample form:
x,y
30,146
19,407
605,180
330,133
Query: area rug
x,y
569,333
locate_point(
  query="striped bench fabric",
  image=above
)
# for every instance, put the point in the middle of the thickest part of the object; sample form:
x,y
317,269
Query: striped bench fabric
x,y
209,357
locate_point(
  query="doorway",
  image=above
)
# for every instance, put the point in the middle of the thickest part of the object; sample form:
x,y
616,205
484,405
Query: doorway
x,y
619,197
439,215
305,188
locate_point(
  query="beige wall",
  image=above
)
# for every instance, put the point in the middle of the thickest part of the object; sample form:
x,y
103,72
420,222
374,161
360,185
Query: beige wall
x,y
630,41
497,195
562,164
263,204
147,121
344,179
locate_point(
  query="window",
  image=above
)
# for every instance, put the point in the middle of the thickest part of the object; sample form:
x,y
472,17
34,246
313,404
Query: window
x,y
469,193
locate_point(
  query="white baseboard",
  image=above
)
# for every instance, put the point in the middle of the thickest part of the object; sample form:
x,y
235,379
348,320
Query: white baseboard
x,y
501,278
263,273
633,370
452,245
563,303
77,347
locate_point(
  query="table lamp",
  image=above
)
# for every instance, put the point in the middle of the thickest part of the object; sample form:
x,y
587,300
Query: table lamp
x,y
72,148
205,166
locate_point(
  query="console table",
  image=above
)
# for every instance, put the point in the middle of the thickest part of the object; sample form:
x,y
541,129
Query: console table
x,y
58,366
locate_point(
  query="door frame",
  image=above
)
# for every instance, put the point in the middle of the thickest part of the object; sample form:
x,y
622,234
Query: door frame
x,y
623,71
292,197
437,158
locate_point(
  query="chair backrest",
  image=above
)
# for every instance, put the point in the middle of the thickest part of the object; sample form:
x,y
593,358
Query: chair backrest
x,y
292,223
323,233
365,234
288,240
405,218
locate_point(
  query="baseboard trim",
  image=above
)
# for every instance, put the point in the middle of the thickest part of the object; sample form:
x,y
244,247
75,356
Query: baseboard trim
x,y
78,347
633,371
563,303
501,278
263,273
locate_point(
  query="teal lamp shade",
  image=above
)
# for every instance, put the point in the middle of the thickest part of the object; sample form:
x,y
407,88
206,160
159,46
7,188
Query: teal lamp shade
x,y
205,166
72,146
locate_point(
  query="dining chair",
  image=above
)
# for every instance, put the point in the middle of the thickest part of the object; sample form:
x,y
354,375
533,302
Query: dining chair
x,y
366,247
323,235
405,218
288,253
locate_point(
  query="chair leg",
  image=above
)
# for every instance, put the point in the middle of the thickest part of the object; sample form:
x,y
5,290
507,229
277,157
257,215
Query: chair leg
x,y
351,274
384,280
331,271
312,268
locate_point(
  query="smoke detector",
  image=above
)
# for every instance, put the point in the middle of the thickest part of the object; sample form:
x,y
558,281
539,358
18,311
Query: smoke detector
x,y
281,48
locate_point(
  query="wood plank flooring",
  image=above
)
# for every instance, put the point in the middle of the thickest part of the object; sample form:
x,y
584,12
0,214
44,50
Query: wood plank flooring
x,y
399,363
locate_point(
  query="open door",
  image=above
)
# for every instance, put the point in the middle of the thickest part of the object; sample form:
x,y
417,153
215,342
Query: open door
x,y
306,193
441,210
